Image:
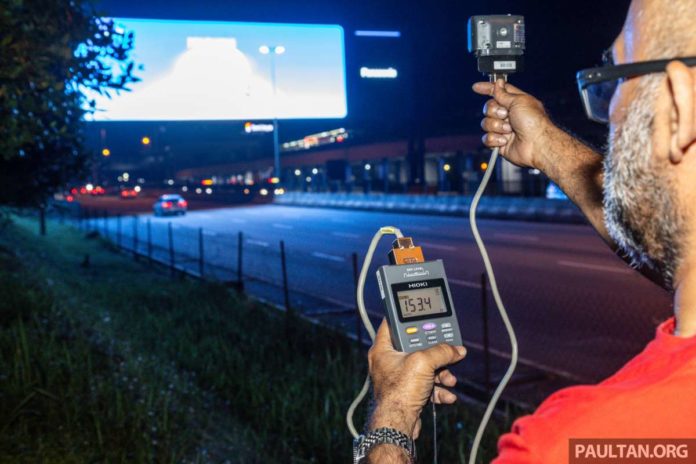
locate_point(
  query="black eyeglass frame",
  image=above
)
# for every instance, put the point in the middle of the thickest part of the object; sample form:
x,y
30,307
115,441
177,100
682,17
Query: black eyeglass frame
x,y
620,73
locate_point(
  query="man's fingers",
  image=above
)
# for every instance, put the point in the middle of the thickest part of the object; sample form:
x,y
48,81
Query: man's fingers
x,y
496,126
446,378
494,110
494,140
443,396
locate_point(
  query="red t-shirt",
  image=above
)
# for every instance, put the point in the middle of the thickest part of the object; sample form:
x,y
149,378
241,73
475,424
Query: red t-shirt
x,y
653,396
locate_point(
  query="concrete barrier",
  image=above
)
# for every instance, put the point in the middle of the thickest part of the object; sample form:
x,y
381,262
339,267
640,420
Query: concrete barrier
x,y
513,208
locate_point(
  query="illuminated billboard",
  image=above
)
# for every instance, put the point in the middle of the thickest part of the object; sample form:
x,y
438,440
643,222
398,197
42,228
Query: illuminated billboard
x,y
202,70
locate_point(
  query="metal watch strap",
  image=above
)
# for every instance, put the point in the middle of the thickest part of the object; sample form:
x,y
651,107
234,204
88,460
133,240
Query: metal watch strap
x,y
383,436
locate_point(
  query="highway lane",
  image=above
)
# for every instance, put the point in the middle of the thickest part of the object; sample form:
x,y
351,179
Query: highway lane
x,y
576,307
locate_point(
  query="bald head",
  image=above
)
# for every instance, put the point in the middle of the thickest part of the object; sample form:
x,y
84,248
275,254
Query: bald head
x,y
657,29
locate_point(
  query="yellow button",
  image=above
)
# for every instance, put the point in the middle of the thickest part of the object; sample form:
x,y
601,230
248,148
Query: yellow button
x,y
411,330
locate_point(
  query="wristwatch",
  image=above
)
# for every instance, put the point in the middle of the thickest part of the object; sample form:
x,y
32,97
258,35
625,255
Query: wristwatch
x,y
364,443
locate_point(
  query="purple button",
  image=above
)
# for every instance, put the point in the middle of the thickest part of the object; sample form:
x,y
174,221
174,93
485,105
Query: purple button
x,y
429,326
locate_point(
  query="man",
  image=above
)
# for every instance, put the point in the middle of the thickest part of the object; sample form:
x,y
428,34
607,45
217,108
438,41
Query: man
x,y
643,202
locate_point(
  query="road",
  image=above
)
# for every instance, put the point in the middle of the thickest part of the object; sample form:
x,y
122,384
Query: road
x,y
578,310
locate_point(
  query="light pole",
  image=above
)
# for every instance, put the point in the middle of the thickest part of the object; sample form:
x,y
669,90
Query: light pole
x,y
273,51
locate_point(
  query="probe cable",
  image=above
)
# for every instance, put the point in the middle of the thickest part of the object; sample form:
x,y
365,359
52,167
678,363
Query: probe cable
x,y
365,318
498,302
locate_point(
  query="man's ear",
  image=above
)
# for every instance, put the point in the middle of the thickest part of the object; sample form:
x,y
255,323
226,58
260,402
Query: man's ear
x,y
681,81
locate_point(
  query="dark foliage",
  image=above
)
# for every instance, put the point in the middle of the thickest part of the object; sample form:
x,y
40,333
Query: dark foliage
x,y
55,53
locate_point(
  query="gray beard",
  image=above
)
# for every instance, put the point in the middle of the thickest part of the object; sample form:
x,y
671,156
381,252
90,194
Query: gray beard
x,y
640,199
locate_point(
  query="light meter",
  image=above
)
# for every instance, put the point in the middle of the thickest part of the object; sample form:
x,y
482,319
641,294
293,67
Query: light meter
x,y
417,300
498,43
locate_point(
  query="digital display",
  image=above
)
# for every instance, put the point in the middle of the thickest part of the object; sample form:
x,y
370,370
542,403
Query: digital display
x,y
203,70
421,302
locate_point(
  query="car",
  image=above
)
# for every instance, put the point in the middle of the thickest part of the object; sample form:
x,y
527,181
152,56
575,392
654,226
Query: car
x,y
128,193
170,204
97,191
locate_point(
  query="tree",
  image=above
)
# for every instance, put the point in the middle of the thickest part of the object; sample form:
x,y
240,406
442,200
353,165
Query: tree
x,y
54,53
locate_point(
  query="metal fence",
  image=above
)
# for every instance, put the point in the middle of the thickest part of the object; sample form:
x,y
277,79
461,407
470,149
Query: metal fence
x,y
322,287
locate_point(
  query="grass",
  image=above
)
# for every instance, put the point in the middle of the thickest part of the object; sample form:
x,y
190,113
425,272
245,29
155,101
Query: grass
x,y
117,362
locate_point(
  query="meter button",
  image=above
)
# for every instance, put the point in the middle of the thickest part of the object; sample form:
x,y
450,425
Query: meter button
x,y
411,330
449,335
414,340
429,326
446,325
432,338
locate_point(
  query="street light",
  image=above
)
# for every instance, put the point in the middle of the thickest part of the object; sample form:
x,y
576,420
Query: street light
x,y
106,152
145,140
273,51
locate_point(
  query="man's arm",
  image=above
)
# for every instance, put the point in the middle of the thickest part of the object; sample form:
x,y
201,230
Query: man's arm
x,y
517,123
577,170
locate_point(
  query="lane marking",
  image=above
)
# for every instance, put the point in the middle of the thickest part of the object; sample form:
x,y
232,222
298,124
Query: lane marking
x,y
282,226
464,283
522,238
345,234
436,246
595,267
338,259
260,243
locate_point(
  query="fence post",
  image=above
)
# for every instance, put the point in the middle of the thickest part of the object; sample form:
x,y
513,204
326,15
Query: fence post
x,y
240,242
358,319
486,342
286,293
149,241
171,248
118,230
201,253
135,237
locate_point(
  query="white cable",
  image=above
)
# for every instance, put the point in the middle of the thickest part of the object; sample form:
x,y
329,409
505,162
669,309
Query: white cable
x,y
365,318
499,304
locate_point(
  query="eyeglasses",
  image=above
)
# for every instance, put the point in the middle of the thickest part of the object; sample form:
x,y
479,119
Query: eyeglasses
x,y
597,85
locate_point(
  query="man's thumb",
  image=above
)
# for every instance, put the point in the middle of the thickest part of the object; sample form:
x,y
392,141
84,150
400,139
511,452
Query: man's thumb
x,y
442,355
501,95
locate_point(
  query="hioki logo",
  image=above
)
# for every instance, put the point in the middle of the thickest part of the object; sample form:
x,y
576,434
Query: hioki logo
x,y
418,285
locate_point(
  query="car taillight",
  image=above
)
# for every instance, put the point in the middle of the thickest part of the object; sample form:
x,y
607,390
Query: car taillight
x,y
183,203
167,204
70,198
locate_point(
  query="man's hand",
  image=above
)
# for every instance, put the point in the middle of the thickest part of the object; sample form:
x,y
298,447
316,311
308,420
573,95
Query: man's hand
x,y
403,383
515,121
